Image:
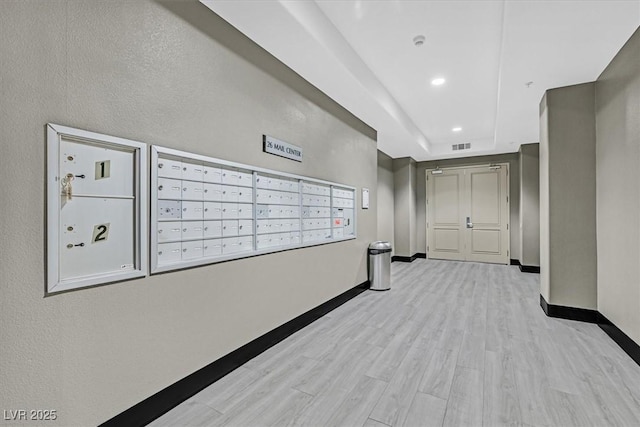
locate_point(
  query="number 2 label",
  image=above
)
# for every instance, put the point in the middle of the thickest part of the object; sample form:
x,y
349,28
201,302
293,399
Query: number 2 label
x,y
100,233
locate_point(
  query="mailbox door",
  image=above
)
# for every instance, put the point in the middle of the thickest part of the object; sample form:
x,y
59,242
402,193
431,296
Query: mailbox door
x,y
97,170
97,238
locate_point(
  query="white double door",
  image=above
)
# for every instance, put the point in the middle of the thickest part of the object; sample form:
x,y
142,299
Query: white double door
x,y
468,214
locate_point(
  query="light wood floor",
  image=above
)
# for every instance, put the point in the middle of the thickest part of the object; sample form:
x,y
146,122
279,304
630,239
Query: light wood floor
x,y
450,344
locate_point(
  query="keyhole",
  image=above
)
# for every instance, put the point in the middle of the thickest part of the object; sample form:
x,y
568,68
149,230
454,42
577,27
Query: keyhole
x,y
69,228
70,158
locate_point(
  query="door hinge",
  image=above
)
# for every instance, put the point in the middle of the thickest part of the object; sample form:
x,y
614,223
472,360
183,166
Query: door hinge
x,y
507,199
507,226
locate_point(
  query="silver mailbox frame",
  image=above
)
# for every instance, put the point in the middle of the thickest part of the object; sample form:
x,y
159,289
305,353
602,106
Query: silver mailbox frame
x,y
172,154
55,133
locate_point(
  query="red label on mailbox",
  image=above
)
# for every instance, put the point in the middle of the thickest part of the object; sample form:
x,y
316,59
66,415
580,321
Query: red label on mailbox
x,y
337,221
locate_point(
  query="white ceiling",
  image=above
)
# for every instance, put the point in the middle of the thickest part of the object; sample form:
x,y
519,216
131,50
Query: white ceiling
x,y
361,54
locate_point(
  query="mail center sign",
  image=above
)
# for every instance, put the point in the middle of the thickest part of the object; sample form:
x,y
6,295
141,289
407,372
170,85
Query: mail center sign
x,y
280,148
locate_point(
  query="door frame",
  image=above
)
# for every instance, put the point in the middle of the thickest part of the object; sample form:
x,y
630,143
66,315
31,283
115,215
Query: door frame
x,y
428,171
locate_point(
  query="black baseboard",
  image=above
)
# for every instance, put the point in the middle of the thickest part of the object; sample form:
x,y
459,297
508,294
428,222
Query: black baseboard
x,y
153,407
529,268
514,262
593,316
408,258
627,344
569,313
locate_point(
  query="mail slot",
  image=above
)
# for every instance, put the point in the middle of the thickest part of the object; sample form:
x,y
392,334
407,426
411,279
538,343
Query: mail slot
x,y
169,231
192,171
212,229
170,168
212,247
192,210
212,174
192,190
169,189
169,253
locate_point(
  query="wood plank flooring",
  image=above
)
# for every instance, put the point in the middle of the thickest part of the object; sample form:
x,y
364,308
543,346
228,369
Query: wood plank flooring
x,y
451,344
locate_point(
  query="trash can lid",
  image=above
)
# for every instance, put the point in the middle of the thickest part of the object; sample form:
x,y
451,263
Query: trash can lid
x,y
380,245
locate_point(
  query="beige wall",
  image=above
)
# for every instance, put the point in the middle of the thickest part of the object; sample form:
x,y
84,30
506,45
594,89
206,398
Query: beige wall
x,y
618,198
174,74
514,195
385,199
543,153
529,205
404,184
568,161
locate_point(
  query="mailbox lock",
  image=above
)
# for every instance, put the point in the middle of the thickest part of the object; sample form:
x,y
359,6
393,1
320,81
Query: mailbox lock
x,y
160,187
69,228
70,245
160,165
70,158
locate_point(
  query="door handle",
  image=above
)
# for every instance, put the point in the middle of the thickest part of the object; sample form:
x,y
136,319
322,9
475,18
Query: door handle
x,y
469,223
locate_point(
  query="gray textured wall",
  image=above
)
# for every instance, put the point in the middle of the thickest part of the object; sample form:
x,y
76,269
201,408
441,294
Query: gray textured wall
x,y
529,204
170,73
385,199
543,153
618,199
514,195
404,206
568,161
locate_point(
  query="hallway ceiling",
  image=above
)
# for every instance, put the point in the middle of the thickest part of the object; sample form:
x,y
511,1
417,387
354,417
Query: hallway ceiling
x,y
497,59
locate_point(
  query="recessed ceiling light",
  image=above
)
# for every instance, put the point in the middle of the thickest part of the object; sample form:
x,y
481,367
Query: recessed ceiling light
x,y
437,82
418,40
457,129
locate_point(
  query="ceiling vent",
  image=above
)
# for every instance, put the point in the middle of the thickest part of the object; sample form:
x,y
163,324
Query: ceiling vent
x,y
457,147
